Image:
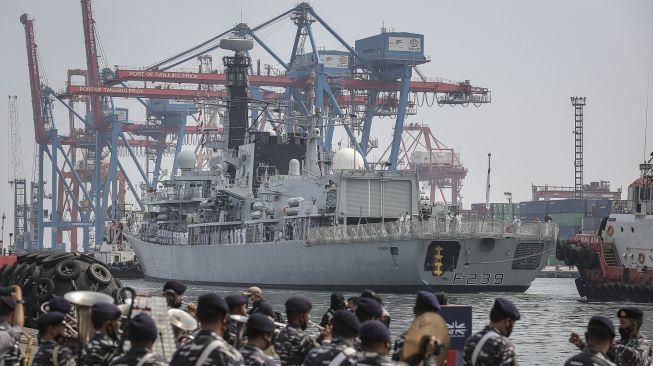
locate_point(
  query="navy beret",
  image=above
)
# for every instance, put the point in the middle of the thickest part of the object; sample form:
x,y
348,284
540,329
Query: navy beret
x,y
369,306
601,321
211,303
504,308
265,309
427,301
176,286
7,302
142,326
346,319
51,318
261,323
60,304
105,311
631,312
235,300
298,305
374,331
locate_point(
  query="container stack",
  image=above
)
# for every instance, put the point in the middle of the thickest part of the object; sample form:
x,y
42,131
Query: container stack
x,y
571,215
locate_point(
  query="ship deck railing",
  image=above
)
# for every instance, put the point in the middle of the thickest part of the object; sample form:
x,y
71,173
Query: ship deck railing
x,y
434,230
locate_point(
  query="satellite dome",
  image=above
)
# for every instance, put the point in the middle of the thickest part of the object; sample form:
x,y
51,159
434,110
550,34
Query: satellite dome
x,y
348,159
186,160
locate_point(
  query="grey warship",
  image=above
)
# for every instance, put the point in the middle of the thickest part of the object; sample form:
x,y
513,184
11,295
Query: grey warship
x,y
279,212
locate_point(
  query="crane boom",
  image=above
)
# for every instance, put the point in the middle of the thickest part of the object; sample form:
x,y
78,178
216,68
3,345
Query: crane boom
x,y
34,77
91,59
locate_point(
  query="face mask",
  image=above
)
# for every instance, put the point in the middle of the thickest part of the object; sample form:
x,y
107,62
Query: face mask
x,y
624,332
509,330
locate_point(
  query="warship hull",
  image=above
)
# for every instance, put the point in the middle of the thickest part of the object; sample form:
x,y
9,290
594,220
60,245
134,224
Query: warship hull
x,y
396,265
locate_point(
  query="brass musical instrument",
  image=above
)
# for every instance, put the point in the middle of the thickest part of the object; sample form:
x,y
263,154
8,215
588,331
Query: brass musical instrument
x,y
182,323
83,300
27,357
429,325
130,302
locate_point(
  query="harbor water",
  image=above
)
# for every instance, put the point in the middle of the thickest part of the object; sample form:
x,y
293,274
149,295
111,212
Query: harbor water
x,y
551,310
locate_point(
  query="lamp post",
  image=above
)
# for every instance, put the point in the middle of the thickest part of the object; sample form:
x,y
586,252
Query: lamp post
x,y
508,196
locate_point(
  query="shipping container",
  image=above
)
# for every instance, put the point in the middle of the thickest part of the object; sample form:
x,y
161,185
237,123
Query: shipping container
x,y
567,232
566,206
568,219
533,208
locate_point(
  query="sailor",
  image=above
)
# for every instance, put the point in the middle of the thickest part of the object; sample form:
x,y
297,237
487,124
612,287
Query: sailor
x,y
11,326
385,315
260,335
255,295
174,291
102,347
208,347
340,351
491,346
424,302
600,335
375,344
459,221
141,333
237,306
632,348
293,343
368,309
51,351
447,221
337,303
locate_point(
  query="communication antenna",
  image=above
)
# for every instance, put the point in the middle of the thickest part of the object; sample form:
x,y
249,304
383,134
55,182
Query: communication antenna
x,y
648,88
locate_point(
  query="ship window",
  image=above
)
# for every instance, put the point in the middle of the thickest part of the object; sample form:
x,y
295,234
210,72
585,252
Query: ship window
x,y
528,256
449,250
632,229
644,194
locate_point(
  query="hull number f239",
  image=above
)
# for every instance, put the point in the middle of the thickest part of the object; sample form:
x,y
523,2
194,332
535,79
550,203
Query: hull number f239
x,y
461,278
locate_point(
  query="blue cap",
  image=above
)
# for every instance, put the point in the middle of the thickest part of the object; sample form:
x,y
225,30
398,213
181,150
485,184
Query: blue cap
x,y
426,301
235,300
7,302
504,308
374,331
345,319
369,306
60,304
105,311
211,303
142,326
604,322
265,309
298,305
261,323
176,286
631,312
51,318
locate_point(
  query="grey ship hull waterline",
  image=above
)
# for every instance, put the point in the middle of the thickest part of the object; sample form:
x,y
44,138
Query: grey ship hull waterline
x,y
397,263
280,211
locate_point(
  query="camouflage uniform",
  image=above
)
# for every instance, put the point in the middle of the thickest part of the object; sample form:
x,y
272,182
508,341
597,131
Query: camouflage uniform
x,y
222,355
326,318
292,345
9,350
99,351
633,352
325,354
44,356
255,357
375,359
589,357
230,332
497,349
135,356
399,346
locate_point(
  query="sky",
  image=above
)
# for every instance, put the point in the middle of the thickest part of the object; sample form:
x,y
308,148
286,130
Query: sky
x,y
532,55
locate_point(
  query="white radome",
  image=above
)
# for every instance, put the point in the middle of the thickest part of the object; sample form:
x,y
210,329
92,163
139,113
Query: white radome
x,y
186,160
348,159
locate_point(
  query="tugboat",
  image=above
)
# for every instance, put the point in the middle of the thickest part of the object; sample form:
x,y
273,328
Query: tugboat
x,y
616,264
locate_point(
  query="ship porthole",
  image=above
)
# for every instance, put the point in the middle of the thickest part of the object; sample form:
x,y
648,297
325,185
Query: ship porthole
x,y
632,229
622,229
